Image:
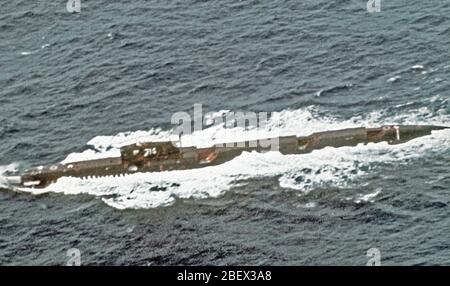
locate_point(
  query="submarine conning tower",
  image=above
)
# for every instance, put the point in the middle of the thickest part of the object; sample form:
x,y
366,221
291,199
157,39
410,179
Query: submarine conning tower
x,y
164,156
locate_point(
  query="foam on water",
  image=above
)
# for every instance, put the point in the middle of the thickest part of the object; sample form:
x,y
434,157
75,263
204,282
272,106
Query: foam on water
x,y
329,167
7,168
367,197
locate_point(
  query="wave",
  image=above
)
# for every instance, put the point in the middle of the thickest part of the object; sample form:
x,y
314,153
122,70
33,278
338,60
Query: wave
x,y
334,89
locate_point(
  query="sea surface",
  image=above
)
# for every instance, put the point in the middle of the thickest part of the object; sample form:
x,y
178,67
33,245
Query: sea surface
x,y
80,84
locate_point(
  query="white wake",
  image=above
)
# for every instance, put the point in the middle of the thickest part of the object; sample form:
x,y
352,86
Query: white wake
x,y
329,167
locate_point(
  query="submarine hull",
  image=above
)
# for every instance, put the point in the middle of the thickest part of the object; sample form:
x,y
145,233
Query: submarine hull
x,y
164,156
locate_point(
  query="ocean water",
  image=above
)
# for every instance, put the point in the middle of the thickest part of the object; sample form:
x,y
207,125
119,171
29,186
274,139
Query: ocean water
x,y
118,70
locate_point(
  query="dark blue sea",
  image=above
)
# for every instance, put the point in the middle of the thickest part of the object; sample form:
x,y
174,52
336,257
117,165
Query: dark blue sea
x,y
80,84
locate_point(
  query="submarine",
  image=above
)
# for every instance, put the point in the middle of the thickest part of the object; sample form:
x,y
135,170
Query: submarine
x,y
166,156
